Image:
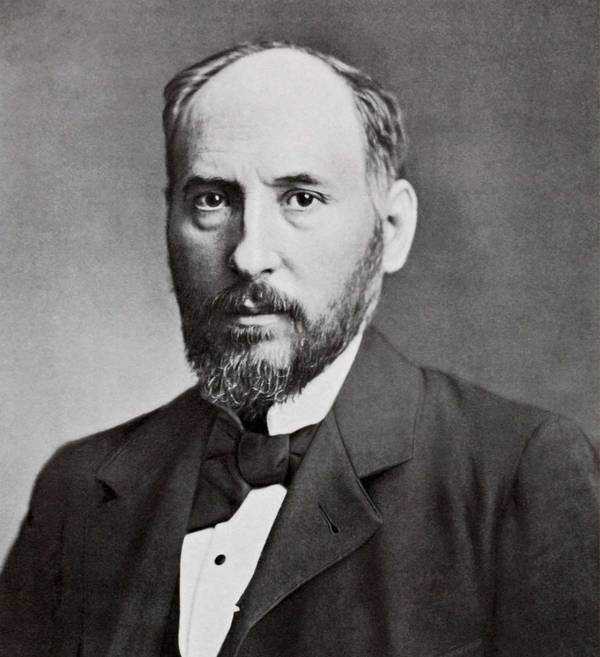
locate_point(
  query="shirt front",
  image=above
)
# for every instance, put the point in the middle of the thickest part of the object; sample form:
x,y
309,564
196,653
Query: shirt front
x,y
217,563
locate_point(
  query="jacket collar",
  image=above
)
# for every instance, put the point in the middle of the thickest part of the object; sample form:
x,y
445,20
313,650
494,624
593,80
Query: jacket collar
x,y
377,407
154,446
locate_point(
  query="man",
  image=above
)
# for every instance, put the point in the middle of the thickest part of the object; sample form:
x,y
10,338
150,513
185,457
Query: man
x,y
315,493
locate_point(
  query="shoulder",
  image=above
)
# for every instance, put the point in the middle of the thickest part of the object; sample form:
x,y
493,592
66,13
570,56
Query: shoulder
x,y
445,399
460,424
85,455
469,406
75,463
492,434
448,411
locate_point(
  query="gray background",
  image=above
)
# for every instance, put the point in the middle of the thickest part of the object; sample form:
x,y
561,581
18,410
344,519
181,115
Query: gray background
x,y
502,284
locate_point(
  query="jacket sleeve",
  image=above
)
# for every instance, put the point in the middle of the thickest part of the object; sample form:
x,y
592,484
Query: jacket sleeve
x,y
31,578
548,559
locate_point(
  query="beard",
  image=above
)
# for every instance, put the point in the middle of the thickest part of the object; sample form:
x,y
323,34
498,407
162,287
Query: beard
x,y
220,351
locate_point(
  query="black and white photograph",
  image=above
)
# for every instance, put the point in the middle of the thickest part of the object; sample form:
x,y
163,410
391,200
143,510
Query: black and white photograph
x,y
300,328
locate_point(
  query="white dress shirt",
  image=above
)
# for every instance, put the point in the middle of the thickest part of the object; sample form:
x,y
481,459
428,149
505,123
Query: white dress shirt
x,y
217,563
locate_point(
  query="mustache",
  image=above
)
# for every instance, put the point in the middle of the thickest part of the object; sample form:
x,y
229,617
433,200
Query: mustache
x,y
263,298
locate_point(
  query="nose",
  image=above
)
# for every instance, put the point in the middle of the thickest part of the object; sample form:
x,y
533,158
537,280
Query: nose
x,y
255,255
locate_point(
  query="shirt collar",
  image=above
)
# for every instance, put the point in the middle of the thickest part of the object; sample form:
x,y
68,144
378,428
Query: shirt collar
x,y
315,400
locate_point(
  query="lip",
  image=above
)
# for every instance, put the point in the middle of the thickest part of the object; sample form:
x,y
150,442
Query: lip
x,y
258,319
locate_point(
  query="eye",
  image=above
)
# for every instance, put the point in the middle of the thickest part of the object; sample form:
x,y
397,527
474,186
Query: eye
x,y
210,201
301,200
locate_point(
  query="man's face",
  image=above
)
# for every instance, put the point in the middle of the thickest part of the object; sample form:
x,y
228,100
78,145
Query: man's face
x,y
274,242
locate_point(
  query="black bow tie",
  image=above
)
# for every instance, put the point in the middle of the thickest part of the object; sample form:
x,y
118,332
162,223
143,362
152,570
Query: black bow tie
x,y
237,461
263,460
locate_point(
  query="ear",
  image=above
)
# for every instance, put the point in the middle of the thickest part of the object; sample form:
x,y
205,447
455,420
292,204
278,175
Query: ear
x,y
399,225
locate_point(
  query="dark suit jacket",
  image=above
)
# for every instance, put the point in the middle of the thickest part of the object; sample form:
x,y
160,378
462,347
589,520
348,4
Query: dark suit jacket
x,y
428,518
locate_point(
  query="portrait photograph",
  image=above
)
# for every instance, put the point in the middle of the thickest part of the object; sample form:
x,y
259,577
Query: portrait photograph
x,y
300,328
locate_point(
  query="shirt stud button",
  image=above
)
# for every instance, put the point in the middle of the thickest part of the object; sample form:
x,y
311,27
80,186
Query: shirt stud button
x,y
220,559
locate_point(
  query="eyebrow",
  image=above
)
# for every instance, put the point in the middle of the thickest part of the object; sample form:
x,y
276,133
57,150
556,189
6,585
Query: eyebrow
x,y
298,179
211,181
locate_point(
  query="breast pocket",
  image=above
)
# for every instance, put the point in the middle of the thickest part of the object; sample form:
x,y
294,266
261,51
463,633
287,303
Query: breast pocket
x,y
471,649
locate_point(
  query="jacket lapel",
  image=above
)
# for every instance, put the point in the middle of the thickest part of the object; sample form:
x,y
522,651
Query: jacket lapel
x,y
378,406
134,537
327,513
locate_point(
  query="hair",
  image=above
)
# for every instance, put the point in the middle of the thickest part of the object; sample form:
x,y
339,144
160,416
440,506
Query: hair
x,y
380,113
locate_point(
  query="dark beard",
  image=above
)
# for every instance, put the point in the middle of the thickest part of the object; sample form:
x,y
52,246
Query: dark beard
x,y
220,353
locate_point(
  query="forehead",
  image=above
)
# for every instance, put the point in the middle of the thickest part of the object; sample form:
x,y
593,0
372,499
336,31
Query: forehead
x,y
279,109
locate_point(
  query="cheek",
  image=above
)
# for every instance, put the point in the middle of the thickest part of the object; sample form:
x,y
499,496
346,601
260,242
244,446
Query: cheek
x,y
326,263
196,257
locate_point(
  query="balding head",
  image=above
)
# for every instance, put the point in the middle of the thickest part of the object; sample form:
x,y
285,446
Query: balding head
x,y
287,70
283,107
263,83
